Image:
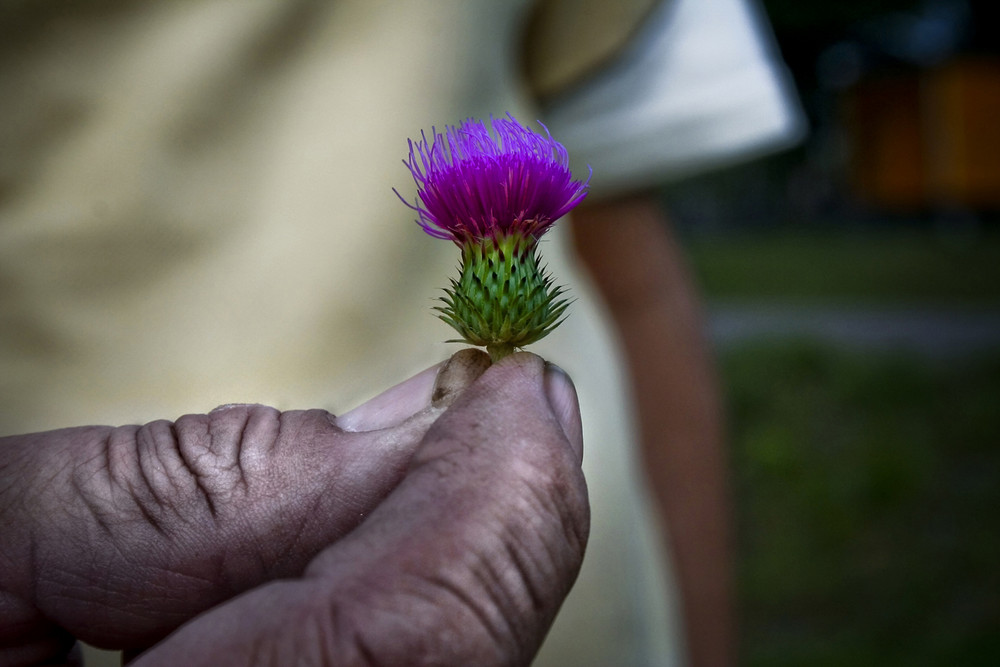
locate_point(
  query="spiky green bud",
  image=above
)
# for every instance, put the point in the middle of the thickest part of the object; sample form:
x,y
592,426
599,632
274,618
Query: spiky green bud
x,y
503,298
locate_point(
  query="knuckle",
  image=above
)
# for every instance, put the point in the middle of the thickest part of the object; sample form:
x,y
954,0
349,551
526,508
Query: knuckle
x,y
193,466
415,621
550,517
552,480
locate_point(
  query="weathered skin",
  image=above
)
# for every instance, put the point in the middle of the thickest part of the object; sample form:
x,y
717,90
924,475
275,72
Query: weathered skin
x,y
440,523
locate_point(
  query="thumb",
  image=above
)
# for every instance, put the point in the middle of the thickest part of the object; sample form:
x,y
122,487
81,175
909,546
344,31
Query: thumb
x,y
466,562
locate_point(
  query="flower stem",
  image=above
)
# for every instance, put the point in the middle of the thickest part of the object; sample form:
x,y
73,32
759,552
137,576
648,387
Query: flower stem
x,y
499,350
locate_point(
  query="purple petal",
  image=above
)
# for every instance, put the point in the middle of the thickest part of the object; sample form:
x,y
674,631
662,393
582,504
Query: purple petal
x,y
475,182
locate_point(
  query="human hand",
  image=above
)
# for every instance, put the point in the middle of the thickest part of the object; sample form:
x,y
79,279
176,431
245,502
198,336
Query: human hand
x,y
436,524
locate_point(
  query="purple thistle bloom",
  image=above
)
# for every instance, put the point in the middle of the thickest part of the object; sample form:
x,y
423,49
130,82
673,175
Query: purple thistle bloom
x,y
475,184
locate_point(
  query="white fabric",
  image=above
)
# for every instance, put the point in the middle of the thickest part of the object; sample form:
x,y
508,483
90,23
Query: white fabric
x,y
699,88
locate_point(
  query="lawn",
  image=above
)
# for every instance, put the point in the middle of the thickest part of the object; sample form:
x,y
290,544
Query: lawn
x,y
858,266
867,494
867,483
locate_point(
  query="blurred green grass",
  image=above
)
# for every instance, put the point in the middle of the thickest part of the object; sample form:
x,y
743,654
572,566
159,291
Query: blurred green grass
x,y
868,497
867,482
900,266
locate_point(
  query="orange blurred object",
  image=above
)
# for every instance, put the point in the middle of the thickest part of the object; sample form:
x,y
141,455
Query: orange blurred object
x,y
927,139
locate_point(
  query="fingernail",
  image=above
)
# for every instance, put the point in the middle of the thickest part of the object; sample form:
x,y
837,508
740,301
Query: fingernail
x,y
393,406
564,403
231,406
464,368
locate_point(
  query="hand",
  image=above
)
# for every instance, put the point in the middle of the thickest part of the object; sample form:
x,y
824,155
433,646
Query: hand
x,y
440,523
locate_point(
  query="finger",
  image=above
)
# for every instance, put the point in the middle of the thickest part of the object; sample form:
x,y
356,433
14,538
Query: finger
x,y
27,638
120,535
466,562
439,385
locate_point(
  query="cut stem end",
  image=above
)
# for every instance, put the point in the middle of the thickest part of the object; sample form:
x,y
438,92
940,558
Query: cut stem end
x,y
499,351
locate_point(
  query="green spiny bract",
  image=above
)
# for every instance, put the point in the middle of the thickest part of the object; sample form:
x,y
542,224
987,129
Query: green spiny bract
x,y
503,299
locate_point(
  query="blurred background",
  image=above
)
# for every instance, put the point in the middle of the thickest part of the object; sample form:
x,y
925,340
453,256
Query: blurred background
x,y
852,290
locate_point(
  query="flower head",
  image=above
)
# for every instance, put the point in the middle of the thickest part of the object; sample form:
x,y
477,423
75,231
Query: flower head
x,y
476,183
494,192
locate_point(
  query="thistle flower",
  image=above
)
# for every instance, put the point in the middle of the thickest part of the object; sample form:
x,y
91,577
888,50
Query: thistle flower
x,y
494,192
